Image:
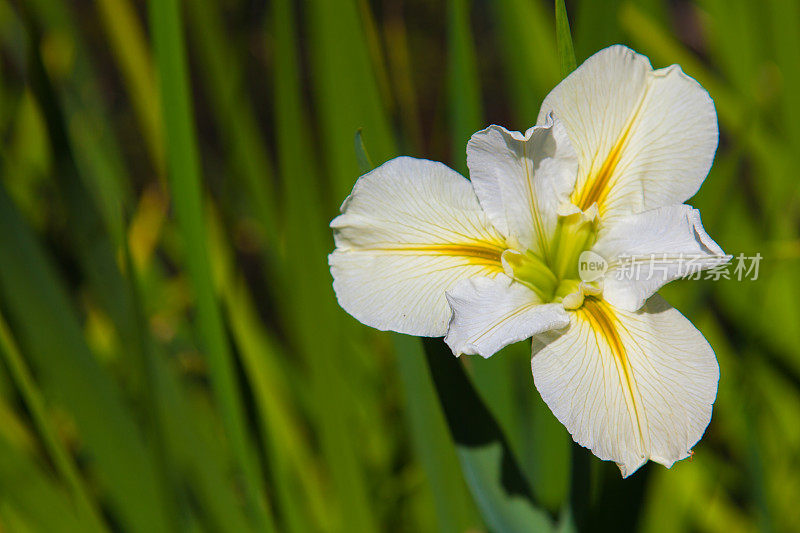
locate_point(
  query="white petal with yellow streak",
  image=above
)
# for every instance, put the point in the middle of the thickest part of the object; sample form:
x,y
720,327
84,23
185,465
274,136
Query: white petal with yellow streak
x,y
522,180
409,231
629,386
489,314
645,138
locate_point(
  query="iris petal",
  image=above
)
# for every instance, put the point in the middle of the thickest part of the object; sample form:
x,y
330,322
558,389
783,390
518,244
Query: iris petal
x,y
629,386
645,138
410,231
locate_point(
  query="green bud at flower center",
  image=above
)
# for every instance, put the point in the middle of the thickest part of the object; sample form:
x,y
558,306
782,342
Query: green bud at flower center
x,y
575,233
529,269
555,277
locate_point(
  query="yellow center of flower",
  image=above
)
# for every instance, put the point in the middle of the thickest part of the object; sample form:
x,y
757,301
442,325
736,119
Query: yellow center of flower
x,y
554,276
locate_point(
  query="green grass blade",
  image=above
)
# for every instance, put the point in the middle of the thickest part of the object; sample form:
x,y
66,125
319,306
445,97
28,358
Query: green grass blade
x,y
595,27
192,461
307,245
787,48
376,54
489,465
345,90
184,179
362,156
130,48
75,92
29,495
566,52
299,488
197,457
55,448
401,71
50,336
248,160
463,86
786,37
455,510
739,45
154,399
529,54
92,236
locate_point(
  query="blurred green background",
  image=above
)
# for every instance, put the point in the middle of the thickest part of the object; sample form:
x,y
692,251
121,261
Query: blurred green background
x,y
173,358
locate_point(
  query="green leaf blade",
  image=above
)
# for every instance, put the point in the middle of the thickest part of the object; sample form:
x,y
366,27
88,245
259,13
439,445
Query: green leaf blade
x,y
566,50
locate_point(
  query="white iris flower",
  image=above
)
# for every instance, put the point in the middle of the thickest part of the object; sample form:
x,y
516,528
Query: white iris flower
x,y
618,147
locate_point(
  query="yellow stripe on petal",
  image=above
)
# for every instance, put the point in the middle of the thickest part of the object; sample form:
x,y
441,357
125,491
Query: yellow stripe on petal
x,y
486,254
602,320
596,187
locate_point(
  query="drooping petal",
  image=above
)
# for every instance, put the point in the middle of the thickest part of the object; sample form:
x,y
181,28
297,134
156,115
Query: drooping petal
x,y
408,232
521,180
629,386
647,250
645,138
489,314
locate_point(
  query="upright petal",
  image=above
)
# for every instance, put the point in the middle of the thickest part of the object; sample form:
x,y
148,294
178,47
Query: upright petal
x,y
521,180
629,386
408,232
645,138
489,314
647,250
